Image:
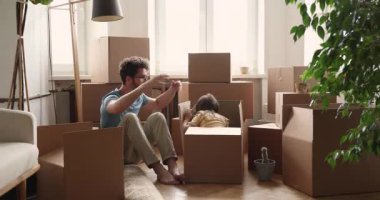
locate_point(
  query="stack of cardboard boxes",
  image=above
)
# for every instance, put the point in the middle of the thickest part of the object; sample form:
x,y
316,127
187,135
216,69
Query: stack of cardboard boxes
x,y
215,155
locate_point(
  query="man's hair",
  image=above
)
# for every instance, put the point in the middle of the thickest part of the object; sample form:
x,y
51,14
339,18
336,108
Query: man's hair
x,y
207,102
129,66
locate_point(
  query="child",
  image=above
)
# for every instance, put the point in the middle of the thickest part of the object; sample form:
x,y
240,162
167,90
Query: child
x,y
206,114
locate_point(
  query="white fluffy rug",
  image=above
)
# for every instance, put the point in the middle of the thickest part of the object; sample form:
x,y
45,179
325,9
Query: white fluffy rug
x,y
137,186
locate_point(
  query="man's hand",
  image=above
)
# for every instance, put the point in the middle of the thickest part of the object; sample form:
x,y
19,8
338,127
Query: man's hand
x,y
176,85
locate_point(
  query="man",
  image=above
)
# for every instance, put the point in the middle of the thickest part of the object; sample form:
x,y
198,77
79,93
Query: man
x,y
120,108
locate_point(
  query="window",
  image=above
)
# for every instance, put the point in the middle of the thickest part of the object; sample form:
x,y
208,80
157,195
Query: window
x,y
183,26
60,38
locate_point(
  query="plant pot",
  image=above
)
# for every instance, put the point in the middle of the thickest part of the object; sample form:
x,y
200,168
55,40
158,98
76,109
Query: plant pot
x,y
264,169
301,88
244,70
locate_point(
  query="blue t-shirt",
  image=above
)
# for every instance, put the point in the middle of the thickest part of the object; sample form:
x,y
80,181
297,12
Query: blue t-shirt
x,y
112,120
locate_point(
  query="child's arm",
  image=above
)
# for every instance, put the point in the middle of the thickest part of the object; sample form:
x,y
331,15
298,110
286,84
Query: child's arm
x,y
187,116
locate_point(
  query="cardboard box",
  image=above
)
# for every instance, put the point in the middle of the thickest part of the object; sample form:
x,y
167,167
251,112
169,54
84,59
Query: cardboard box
x,y
228,108
286,98
239,90
213,155
309,136
282,79
92,94
265,135
79,163
209,68
112,50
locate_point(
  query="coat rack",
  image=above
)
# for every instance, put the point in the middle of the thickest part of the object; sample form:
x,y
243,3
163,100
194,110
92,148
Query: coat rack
x,y
19,70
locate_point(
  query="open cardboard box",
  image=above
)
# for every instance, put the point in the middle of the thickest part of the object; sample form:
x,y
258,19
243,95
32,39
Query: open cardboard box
x,y
234,91
309,135
80,163
231,109
206,156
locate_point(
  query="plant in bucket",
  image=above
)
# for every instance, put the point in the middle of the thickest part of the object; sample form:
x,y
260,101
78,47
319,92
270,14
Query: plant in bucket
x,y
264,166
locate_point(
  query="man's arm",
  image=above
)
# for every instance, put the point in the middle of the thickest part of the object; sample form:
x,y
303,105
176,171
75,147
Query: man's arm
x,y
121,104
165,98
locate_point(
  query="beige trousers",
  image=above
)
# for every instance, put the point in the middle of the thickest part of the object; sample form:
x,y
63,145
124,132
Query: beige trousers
x,y
139,139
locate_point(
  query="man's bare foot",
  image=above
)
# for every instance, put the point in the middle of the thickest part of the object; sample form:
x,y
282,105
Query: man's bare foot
x,y
173,169
163,175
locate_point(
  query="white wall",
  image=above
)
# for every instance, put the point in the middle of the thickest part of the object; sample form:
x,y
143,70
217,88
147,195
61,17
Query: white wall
x,y
135,21
36,56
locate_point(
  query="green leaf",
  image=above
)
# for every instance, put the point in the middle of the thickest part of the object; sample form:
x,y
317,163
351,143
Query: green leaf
x,y
321,32
46,2
300,31
303,9
322,4
312,8
35,1
306,20
314,23
294,29
322,19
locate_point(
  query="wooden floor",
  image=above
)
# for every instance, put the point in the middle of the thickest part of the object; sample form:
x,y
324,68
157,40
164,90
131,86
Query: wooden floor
x,y
250,189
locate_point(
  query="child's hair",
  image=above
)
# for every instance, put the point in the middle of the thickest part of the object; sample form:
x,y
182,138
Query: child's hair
x,y
207,102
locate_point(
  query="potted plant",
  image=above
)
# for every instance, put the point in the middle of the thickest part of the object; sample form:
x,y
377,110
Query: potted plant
x,y
264,166
347,64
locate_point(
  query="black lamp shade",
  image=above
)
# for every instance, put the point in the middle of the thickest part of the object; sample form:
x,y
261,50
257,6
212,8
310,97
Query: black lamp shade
x,y
106,10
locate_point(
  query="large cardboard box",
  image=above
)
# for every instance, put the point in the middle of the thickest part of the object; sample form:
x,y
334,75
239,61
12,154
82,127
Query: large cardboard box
x,y
112,50
209,68
310,134
80,163
92,94
213,155
282,79
265,135
237,90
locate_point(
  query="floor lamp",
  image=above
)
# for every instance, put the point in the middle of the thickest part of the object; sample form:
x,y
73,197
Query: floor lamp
x,y
102,11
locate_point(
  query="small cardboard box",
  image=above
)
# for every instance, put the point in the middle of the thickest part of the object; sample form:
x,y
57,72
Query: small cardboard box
x,y
213,155
209,68
282,79
237,90
112,50
310,134
92,94
80,163
265,135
